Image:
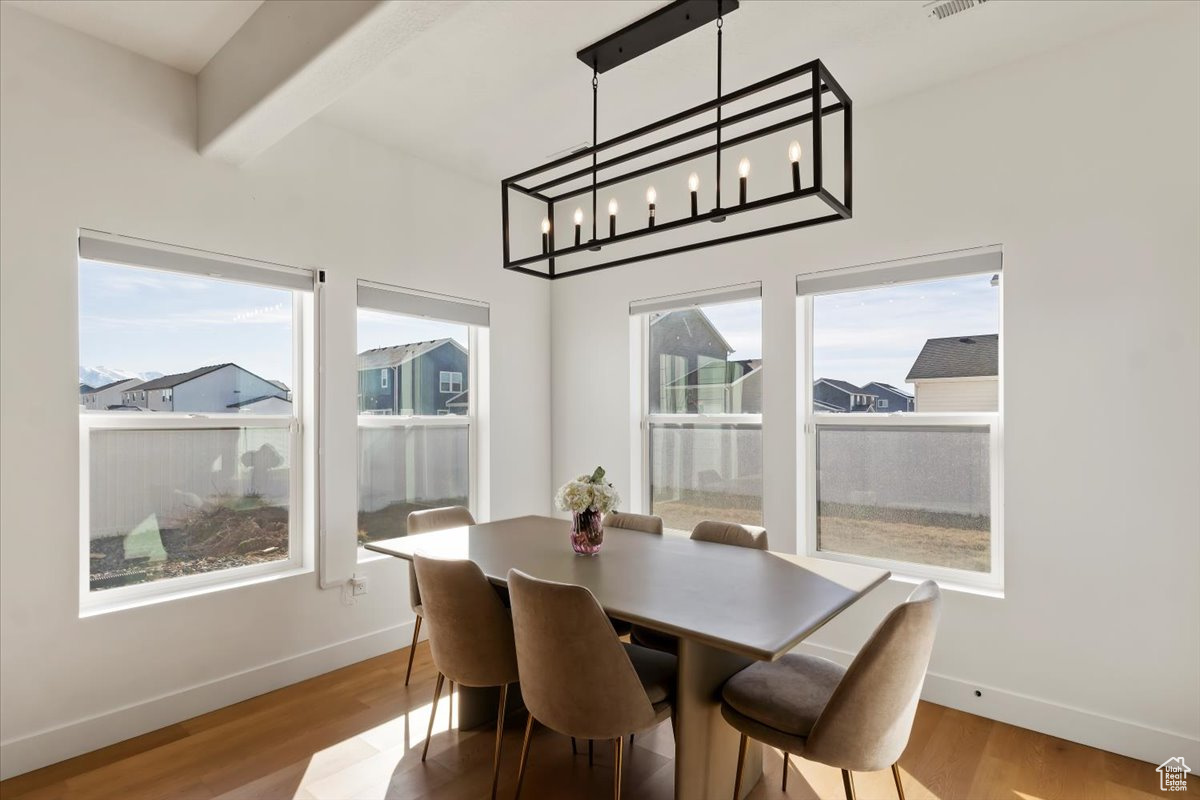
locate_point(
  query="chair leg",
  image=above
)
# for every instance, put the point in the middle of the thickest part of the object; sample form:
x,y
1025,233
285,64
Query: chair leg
x,y
899,785
590,744
737,776
437,690
412,650
848,783
524,756
786,758
618,757
499,739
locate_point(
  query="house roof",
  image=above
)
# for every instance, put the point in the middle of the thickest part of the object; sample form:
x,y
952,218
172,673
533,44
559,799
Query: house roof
x,y
398,354
168,381
281,385
958,357
684,313
888,387
90,390
821,405
261,397
845,386
459,400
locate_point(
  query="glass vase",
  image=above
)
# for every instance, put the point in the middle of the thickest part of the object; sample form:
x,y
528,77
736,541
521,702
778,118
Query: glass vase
x,y
587,532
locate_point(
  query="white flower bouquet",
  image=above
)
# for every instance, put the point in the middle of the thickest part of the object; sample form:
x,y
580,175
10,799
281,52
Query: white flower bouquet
x,y
588,498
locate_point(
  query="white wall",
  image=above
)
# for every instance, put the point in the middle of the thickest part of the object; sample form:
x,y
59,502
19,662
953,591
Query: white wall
x,y
1083,163
96,137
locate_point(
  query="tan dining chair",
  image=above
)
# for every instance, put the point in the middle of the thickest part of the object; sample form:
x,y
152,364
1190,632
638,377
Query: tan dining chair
x,y
645,523
730,533
855,718
470,635
433,519
577,678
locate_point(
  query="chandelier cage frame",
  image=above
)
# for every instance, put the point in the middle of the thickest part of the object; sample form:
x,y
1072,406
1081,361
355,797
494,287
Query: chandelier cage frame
x,y
560,180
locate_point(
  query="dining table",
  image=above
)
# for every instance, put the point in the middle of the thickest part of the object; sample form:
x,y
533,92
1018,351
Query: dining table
x,y
728,606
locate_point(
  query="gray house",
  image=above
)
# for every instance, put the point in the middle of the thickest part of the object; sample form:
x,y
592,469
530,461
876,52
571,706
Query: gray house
x,y
217,389
831,394
888,398
110,395
958,373
691,371
421,378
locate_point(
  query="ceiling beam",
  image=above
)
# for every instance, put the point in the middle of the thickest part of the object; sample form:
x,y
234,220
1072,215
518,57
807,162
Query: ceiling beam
x,y
291,60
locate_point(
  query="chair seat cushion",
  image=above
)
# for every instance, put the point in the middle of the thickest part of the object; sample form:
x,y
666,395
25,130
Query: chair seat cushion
x,y
656,671
788,694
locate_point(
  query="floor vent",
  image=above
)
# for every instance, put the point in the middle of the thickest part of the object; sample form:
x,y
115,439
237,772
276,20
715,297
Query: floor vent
x,y
952,7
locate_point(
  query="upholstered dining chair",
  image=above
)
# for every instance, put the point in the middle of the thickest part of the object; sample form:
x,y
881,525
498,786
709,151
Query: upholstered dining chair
x,y
433,519
633,522
577,678
470,635
856,718
730,533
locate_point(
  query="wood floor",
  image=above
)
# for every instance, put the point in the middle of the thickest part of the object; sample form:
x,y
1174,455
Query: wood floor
x,y
356,734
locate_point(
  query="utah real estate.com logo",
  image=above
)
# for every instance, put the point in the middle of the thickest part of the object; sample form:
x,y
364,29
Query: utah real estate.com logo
x,y
1172,775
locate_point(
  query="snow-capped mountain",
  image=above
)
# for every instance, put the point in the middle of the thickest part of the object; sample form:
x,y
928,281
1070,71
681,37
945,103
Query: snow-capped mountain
x,y
100,376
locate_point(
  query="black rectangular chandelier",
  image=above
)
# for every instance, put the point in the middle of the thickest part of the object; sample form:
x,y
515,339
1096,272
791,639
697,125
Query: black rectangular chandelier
x,y
790,123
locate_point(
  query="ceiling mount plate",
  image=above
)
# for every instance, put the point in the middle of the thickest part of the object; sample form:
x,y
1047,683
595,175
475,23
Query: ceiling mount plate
x,y
668,23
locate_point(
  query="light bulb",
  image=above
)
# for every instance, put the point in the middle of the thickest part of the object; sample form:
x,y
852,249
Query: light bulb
x,y
545,225
612,207
794,152
693,182
744,167
651,195
579,216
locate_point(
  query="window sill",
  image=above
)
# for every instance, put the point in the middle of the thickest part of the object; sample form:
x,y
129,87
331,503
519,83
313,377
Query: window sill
x,y
101,605
366,556
950,586
904,573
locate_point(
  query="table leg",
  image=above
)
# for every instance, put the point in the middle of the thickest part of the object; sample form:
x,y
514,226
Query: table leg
x,y
706,748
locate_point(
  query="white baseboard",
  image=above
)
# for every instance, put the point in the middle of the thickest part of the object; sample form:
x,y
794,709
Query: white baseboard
x,y
1127,738
26,753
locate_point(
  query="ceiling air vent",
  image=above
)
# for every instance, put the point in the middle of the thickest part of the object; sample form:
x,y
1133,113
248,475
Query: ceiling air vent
x,y
951,7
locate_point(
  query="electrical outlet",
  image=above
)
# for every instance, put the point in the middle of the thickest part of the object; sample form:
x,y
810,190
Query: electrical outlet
x,y
359,585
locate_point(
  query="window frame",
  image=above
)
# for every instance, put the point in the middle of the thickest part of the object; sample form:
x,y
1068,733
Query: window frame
x,y
645,421
446,377
302,501
810,420
470,420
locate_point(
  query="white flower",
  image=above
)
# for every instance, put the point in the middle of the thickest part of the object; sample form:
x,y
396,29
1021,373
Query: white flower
x,y
582,494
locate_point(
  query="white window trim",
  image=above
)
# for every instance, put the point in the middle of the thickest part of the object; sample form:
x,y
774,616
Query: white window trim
x,y
302,501
470,420
446,378
383,378
990,583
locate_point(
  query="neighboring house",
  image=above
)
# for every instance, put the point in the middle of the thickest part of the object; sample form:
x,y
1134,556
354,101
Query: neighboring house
x,y
216,389
459,404
287,393
958,373
110,395
266,404
691,373
888,398
842,396
420,378
85,388
745,394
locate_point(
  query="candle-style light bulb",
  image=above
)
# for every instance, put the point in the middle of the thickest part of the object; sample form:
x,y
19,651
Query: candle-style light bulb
x,y
743,175
651,196
794,156
545,234
612,217
545,224
693,185
578,224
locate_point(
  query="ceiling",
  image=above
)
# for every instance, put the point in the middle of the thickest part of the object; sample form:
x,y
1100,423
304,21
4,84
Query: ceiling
x,y
499,88
184,35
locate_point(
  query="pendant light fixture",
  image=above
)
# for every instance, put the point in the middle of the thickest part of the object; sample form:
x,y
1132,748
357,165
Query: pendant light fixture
x,y
780,122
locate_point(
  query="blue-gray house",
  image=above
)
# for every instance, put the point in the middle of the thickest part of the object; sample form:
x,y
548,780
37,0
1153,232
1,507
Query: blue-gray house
x,y
421,378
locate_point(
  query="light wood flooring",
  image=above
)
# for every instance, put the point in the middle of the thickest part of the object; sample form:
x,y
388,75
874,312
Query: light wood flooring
x,y
356,734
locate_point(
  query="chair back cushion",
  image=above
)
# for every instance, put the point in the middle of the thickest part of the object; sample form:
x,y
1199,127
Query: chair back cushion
x,y
470,630
575,675
731,533
866,723
634,522
432,519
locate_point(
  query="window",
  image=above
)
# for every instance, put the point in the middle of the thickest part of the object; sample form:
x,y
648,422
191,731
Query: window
x,y
702,374
450,382
179,489
916,492
383,378
416,442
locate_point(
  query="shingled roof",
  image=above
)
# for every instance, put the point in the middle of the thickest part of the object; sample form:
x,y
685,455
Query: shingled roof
x,y
958,357
169,381
399,354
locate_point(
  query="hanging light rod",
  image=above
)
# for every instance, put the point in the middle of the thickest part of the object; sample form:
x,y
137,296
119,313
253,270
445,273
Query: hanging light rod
x,y
679,201
654,30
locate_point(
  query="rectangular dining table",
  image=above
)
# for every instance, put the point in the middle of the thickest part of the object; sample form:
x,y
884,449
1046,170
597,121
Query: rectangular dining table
x,y
729,606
